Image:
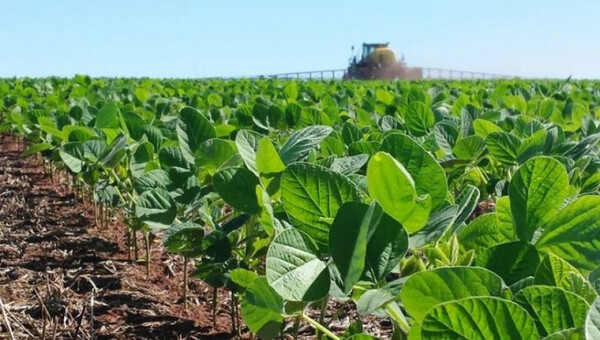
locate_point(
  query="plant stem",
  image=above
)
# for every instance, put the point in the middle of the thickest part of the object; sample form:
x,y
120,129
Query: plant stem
x,y
396,315
234,328
323,312
147,243
296,328
185,281
215,293
320,327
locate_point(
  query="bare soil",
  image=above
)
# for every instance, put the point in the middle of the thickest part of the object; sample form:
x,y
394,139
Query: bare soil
x,y
62,277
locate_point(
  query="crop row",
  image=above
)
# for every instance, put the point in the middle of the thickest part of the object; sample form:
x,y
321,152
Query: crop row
x,y
456,209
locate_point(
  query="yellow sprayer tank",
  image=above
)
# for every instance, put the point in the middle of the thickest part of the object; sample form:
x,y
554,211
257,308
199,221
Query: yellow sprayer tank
x,y
383,56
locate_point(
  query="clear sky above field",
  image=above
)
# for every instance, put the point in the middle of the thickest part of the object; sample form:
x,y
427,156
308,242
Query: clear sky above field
x,y
534,38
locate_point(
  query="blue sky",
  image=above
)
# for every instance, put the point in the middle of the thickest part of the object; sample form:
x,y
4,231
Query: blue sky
x,y
187,38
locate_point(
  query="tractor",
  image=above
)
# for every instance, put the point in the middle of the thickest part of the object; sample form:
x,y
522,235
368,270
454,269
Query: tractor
x,y
378,61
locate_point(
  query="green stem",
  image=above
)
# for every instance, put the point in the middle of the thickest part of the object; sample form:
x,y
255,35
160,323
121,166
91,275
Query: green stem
x,y
147,242
397,316
320,327
185,282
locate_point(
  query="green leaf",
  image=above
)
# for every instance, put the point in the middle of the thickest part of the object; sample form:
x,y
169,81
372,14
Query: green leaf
x,y
247,144
294,269
387,245
349,165
503,147
291,91
445,135
347,239
108,116
554,271
372,300
184,238
237,187
574,233
392,186
171,156
243,277
419,118
536,193
484,232
466,202
156,208
214,153
36,148
568,334
592,321
311,197
73,155
425,290
484,127
512,261
301,142
552,308
478,318
427,173
193,128
269,166
469,148
262,309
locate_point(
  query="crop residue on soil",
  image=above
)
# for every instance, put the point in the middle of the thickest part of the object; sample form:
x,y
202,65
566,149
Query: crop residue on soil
x,y
62,277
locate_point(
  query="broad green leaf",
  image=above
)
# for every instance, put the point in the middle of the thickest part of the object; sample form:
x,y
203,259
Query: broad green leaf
x,y
247,144
156,208
311,197
372,300
428,175
469,148
184,238
291,91
484,127
193,128
478,318
262,309
237,187
243,277
347,239
269,166
592,321
294,269
36,148
574,233
466,203
392,186
349,165
214,153
171,156
115,152
108,116
156,178
425,290
568,334
143,154
503,147
419,119
73,155
445,135
536,193
512,261
301,142
484,232
552,308
554,271
387,245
